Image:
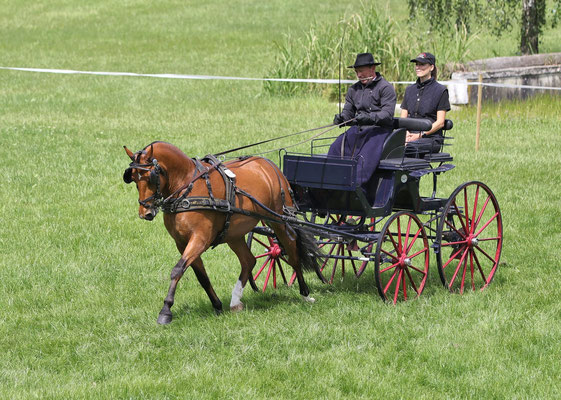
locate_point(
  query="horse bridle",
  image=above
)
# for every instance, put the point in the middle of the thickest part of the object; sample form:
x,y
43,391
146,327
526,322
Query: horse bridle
x,y
155,201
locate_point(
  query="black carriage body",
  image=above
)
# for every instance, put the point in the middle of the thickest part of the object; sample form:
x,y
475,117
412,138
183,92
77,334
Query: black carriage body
x,y
329,185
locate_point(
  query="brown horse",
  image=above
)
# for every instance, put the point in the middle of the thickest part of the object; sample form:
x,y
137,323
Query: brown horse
x,y
166,178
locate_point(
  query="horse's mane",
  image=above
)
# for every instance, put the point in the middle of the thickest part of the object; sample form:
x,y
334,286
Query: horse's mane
x,y
171,147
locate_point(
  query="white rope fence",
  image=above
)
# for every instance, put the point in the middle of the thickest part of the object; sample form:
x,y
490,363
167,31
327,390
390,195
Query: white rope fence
x,y
235,78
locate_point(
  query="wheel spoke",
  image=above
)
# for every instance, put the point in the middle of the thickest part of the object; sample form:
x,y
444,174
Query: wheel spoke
x,y
414,239
261,242
488,239
482,212
474,209
404,285
268,274
397,286
485,254
412,281
466,210
390,267
261,269
395,245
389,254
462,234
281,272
471,269
399,242
453,257
405,243
417,269
390,281
459,218
327,258
487,223
263,255
352,261
424,250
480,269
453,243
462,283
458,268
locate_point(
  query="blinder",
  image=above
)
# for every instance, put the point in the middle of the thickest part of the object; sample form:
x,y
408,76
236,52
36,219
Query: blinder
x,y
153,178
127,176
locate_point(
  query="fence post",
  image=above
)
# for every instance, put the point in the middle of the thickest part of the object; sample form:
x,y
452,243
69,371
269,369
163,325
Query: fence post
x,y
478,123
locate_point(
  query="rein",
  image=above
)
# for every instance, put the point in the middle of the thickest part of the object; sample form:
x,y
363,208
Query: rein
x,y
273,139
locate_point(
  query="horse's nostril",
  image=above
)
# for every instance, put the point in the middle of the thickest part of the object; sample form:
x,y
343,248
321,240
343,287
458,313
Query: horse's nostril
x,y
149,216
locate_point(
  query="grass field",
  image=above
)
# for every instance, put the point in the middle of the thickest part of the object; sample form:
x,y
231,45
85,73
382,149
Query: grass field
x,y
82,279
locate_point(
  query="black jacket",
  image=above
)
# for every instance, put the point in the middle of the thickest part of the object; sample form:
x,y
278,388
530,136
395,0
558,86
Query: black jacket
x,y
377,100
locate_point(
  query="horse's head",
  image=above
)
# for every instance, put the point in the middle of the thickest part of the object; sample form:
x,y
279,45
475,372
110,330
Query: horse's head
x,y
150,178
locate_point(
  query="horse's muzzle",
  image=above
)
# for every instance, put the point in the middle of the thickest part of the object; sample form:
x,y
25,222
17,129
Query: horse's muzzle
x,y
149,215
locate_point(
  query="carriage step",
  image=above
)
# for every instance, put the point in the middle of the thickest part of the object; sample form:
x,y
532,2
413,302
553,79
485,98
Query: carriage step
x,y
442,168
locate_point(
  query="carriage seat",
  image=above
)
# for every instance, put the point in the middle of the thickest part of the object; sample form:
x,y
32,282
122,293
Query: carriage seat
x,y
393,153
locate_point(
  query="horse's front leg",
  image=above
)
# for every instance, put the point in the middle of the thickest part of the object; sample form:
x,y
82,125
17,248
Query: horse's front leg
x,y
190,257
177,272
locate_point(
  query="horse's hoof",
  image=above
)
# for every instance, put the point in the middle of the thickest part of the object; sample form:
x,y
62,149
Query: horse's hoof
x,y
164,319
236,308
309,299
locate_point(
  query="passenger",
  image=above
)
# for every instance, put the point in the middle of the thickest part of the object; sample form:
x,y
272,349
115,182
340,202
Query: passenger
x,y
369,107
425,99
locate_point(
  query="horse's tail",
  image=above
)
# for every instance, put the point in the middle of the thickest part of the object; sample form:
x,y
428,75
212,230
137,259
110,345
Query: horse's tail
x,y
308,251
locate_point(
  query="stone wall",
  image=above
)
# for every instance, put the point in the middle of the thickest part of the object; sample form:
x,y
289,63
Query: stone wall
x,y
535,70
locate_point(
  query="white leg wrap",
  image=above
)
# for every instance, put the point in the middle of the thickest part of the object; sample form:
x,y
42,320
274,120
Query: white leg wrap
x,y
237,293
309,299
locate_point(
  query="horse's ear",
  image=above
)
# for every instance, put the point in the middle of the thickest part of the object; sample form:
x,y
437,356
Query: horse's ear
x,y
150,152
129,153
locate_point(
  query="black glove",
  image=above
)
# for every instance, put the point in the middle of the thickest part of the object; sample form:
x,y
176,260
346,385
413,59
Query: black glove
x,y
364,118
338,119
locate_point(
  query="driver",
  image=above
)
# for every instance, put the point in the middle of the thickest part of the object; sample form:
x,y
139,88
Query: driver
x,y
369,107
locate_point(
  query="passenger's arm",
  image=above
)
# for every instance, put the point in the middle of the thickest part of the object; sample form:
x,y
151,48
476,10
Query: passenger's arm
x,y
439,123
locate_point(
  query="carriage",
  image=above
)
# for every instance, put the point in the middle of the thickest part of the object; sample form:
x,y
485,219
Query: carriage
x,y
390,228
316,216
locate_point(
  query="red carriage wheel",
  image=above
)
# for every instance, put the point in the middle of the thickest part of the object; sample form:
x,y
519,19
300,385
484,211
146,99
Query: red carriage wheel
x,y
339,252
270,257
469,238
402,258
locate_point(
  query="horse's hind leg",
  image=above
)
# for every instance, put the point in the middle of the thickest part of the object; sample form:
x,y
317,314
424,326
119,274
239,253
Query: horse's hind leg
x,y
291,248
247,262
200,272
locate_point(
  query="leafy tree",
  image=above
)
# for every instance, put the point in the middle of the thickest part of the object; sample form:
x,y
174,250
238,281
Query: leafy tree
x,y
498,15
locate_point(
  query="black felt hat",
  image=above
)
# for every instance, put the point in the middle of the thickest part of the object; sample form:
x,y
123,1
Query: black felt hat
x,y
425,58
363,59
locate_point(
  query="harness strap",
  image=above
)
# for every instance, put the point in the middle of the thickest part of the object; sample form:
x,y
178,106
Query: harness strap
x,y
229,179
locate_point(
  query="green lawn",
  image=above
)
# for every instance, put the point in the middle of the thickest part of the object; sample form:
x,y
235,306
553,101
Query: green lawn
x,y
82,279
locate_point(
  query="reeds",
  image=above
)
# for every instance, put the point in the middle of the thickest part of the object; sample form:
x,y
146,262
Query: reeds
x,y
316,55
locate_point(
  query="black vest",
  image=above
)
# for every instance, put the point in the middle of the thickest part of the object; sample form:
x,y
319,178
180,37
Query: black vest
x,y
421,99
